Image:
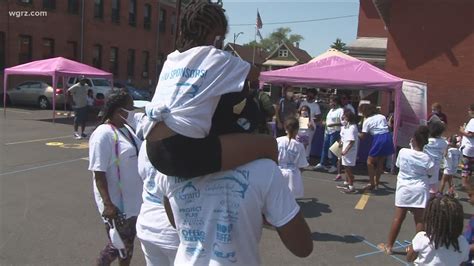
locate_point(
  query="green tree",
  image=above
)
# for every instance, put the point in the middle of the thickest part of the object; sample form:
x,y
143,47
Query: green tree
x,y
270,43
339,45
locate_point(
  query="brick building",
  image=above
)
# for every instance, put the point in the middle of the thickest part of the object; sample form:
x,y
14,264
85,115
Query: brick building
x,y
431,41
129,38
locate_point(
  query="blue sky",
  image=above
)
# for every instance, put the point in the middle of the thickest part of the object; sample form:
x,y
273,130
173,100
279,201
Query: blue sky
x,y
318,35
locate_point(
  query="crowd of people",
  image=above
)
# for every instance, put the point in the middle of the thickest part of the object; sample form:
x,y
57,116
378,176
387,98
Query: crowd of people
x,y
190,178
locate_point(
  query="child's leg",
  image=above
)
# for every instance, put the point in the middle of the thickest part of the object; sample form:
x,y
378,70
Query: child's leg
x,y
418,216
399,217
379,169
444,180
350,175
239,149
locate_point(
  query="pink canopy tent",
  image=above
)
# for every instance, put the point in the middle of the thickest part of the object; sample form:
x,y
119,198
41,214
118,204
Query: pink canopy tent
x,y
57,68
336,69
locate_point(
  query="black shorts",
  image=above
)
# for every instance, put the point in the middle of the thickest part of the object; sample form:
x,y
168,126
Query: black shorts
x,y
186,157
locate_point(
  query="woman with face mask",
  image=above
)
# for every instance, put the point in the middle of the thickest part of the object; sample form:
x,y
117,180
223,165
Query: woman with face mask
x,y
113,159
286,108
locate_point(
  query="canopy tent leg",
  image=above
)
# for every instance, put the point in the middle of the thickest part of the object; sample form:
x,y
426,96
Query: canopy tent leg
x,y
55,81
5,82
397,119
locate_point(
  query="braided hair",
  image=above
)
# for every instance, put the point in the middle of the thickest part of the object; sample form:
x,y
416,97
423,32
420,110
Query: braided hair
x,y
444,221
117,99
199,19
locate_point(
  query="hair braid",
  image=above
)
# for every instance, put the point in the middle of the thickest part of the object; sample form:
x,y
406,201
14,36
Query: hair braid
x,y
199,19
444,222
117,99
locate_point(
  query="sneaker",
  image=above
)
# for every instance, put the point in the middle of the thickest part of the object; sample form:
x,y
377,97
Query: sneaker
x,y
332,169
319,166
344,186
350,189
77,136
84,135
338,178
346,183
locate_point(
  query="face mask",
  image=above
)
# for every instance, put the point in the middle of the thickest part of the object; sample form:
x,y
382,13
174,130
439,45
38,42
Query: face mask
x,y
343,122
304,114
130,119
435,111
289,94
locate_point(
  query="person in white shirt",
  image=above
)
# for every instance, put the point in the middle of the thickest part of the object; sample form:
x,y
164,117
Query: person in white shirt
x,y
113,159
78,92
436,149
451,163
315,112
292,157
467,147
158,238
331,134
376,125
191,83
350,144
442,242
412,186
346,103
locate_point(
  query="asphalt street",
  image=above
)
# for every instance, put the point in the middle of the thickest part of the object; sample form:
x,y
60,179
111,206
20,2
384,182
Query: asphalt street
x,y
48,215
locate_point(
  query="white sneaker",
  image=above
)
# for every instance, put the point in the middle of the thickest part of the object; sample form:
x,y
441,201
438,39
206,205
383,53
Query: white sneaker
x,y
346,183
319,166
332,169
77,135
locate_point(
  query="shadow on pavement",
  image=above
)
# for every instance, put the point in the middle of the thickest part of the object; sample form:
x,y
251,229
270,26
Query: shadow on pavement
x,y
326,237
311,208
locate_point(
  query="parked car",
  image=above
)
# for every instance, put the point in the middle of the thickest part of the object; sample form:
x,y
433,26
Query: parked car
x,y
137,94
100,87
35,93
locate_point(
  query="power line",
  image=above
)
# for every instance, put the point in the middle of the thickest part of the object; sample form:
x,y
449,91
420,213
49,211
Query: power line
x,y
297,21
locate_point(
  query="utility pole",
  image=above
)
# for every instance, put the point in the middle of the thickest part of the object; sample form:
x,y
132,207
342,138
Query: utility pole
x,y
236,35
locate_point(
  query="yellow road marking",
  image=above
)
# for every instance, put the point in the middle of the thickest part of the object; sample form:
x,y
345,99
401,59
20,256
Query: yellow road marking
x,y
362,202
85,158
54,144
36,140
15,111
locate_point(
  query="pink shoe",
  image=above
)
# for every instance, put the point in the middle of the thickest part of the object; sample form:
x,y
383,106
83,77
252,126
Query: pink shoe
x,y
338,178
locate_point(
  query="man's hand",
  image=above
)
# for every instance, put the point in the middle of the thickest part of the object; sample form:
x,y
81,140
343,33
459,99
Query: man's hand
x,y
110,211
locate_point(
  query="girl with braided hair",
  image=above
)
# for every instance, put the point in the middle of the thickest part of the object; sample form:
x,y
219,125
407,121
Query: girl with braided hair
x,y
442,242
193,79
113,159
412,186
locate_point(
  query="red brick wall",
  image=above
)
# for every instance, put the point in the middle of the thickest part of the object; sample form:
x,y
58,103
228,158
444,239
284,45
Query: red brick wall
x,y
433,42
63,27
370,24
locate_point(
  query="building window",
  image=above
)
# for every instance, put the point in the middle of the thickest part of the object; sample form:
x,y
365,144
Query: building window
x,y
130,63
2,50
162,21
98,8
49,4
114,60
173,23
132,13
283,53
116,11
146,60
25,2
48,48
25,49
72,50
73,6
97,56
147,17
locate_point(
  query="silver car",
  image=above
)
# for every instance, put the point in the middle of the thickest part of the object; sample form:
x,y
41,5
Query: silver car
x,y
36,93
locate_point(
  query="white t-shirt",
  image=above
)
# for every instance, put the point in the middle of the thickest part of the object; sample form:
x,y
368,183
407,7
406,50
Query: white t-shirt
x,y
79,94
436,149
313,107
292,157
190,87
375,125
334,116
468,143
102,158
412,180
350,133
152,223
219,216
428,255
451,161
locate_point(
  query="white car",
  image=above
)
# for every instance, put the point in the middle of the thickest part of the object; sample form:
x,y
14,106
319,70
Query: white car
x,y
101,87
